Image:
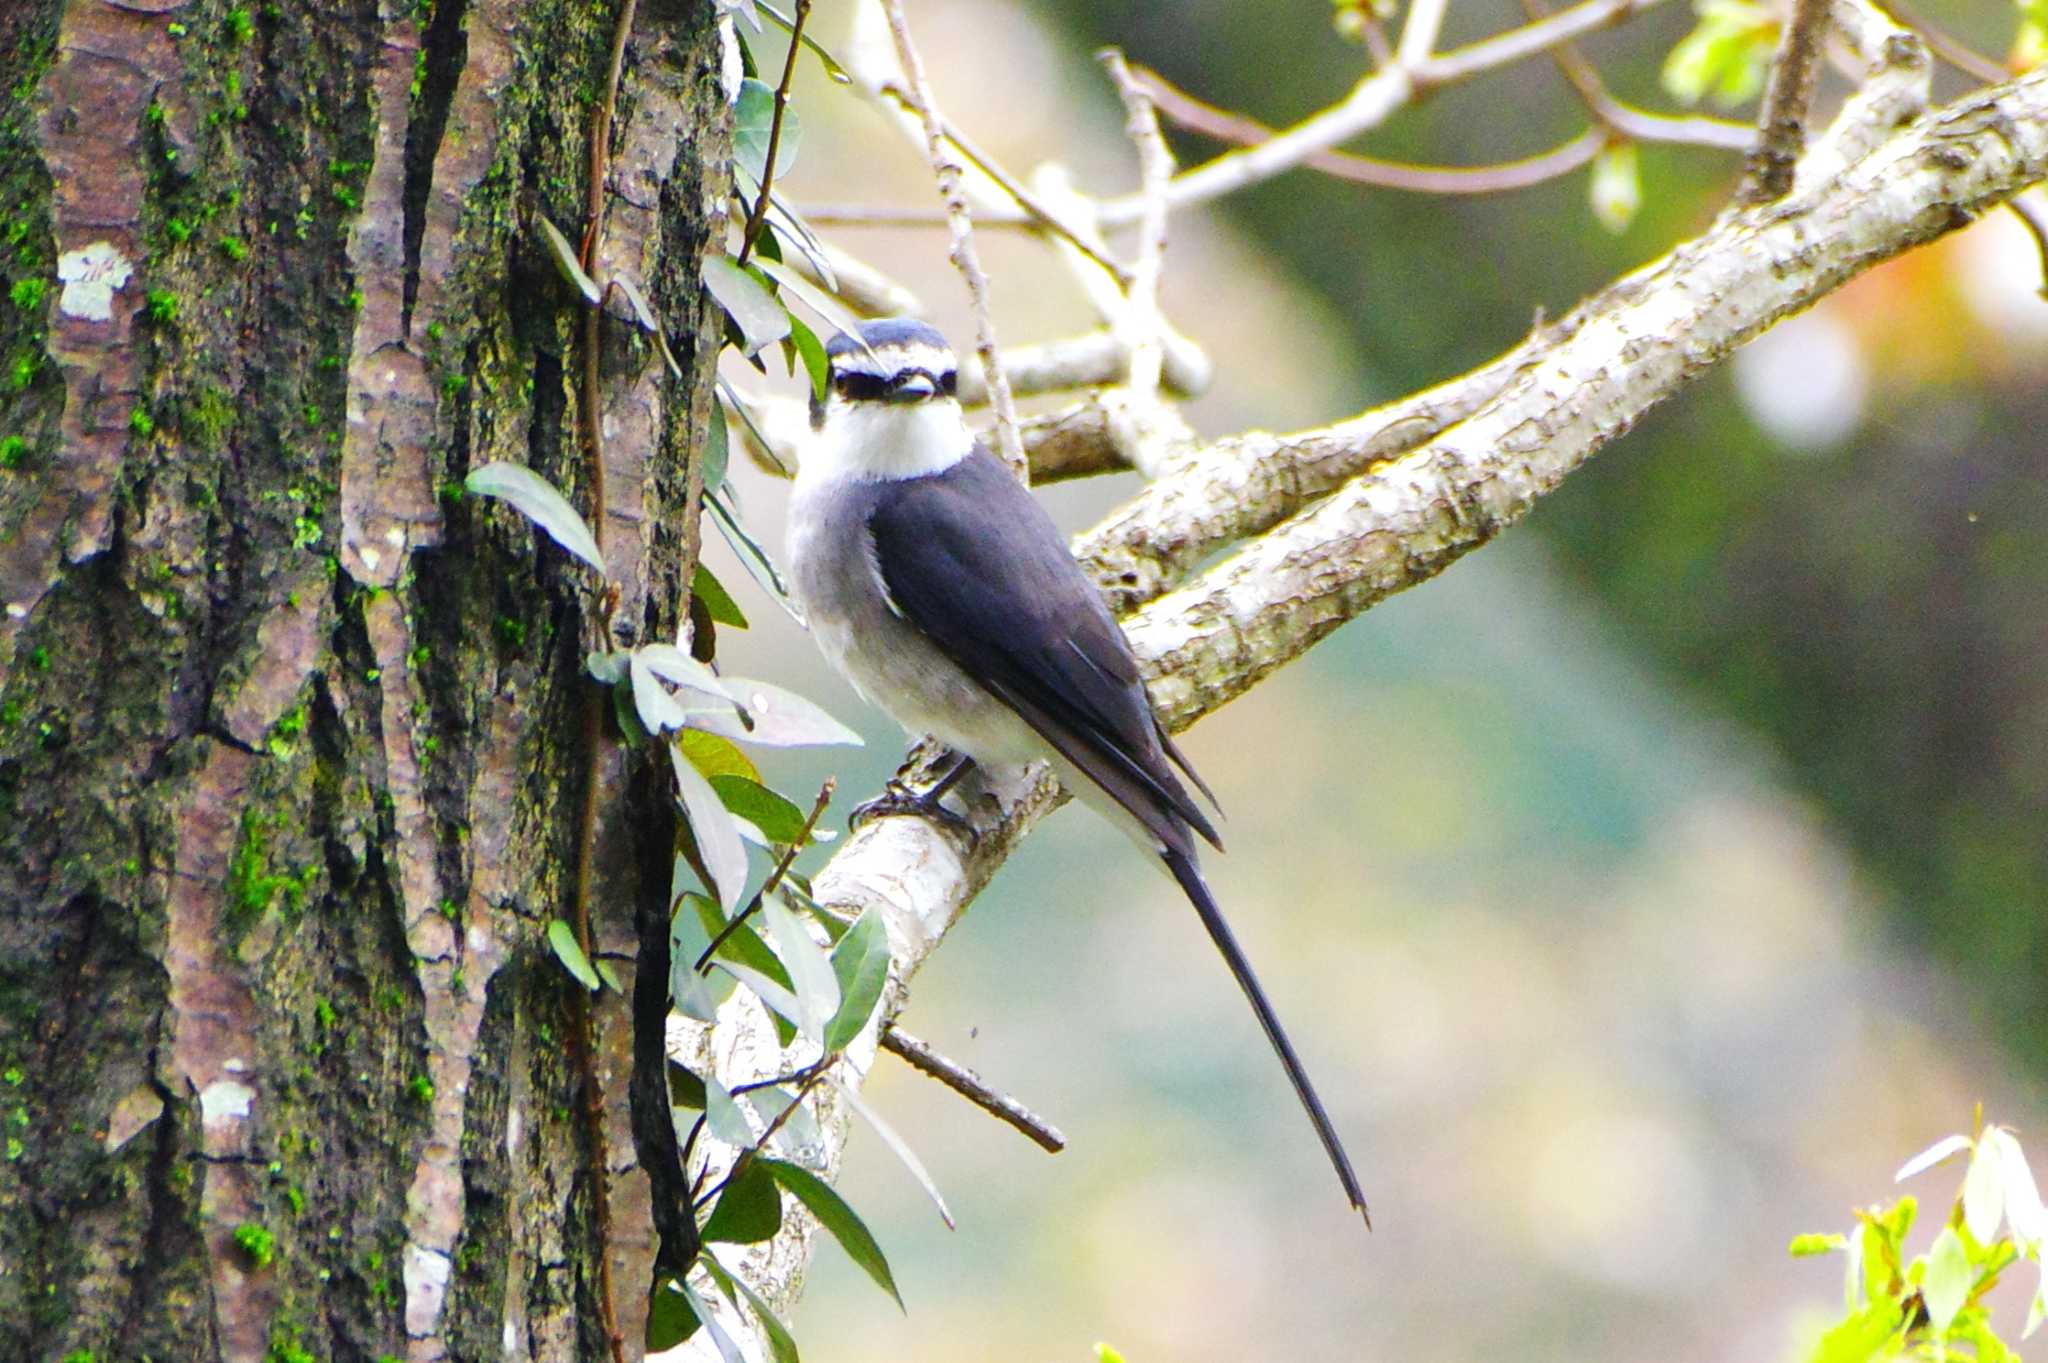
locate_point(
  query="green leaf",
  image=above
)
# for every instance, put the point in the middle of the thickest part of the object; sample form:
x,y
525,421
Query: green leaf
x,y
717,601
1862,1336
752,556
1727,54
671,1318
1807,1246
745,956
861,963
1105,1354
898,1147
539,501
835,314
1616,188
783,1003
562,938
780,821
776,718
567,262
717,449
694,993
718,839
781,1344
788,225
722,1114
728,1351
810,970
812,352
748,301
753,118
748,1210
607,668
715,756
823,1201
799,1131
1948,1281
685,1087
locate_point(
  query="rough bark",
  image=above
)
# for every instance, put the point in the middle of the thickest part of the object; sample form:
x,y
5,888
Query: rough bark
x,y
288,728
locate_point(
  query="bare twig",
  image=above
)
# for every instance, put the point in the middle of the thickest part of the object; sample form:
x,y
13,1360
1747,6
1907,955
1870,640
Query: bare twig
x,y
759,217
1373,100
2032,215
1639,125
890,216
1143,427
781,869
1787,98
746,1156
948,173
1419,31
965,1082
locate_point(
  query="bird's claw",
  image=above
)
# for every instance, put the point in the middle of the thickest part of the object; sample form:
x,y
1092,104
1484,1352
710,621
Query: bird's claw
x,y
899,799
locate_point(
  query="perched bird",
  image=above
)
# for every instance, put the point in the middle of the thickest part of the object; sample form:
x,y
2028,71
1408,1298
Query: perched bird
x,y
945,594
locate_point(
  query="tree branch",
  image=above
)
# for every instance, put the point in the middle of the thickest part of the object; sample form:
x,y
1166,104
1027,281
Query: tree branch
x,y
1346,515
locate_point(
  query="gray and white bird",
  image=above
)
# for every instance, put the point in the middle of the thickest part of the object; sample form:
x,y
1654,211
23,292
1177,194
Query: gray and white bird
x,y
945,594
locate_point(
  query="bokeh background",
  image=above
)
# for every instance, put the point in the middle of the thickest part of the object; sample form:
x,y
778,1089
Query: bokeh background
x,y
1641,892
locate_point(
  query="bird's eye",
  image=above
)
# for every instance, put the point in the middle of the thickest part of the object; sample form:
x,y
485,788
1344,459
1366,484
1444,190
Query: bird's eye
x,y
856,387
949,383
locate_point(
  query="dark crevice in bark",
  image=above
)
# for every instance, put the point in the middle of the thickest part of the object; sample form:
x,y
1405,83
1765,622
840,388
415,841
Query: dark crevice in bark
x,y
167,1242
444,50
654,1126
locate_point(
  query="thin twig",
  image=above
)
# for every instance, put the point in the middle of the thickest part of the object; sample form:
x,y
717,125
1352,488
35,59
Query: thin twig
x,y
759,217
1143,426
746,1156
1419,31
1373,100
1956,53
582,1046
1788,97
1210,121
969,1085
782,865
948,172
1640,125
2030,213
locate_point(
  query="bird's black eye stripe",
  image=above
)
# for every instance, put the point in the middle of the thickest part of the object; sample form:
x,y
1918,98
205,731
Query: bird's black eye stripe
x,y
856,386
949,383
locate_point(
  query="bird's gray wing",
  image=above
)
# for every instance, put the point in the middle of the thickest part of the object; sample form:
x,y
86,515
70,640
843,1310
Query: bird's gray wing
x,y
975,563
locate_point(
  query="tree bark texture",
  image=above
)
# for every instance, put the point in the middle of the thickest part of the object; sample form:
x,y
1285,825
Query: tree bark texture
x,y
291,733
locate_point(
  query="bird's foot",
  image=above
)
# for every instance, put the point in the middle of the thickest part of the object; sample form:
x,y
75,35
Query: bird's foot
x,y
897,798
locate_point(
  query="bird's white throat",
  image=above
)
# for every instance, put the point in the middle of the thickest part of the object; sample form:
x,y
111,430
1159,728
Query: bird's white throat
x,y
877,441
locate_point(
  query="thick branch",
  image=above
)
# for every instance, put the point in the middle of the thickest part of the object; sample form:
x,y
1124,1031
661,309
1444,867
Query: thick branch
x,y
1468,460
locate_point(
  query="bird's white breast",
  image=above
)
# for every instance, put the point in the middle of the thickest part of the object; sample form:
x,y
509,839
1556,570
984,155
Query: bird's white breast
x,y
870,441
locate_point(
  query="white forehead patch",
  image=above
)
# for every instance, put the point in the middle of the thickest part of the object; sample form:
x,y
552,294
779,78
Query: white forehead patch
x,y
887,361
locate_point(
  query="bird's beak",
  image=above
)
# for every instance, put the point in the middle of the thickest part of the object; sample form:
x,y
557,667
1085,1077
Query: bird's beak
x,y
914,388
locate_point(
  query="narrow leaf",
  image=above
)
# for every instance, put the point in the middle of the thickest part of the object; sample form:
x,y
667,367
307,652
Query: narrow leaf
x,y
567,263
755,559
658,710
748,1210
799,1130
715,756
747,301
1942,1151
2023,1209
695,993
898,1147
781,823
812,351
539,501
671,664
776,718
725,856
562,938
780,1000
861,964
834,313
722,1114
728,1351
685,1087
1984,1191
817,989
781,1344
1947,1284
823,1201
717,449
718,602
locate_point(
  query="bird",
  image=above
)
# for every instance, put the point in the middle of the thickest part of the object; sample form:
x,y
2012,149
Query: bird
x,y
942,591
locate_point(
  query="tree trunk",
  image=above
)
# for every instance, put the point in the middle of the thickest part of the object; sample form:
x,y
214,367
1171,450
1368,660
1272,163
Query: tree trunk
x,y
292,736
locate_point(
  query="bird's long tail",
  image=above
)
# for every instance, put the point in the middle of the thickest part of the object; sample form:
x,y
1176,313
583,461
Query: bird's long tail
x,y
1190,877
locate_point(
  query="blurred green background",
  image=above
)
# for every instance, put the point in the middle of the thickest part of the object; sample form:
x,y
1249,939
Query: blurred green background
x,y
1641,892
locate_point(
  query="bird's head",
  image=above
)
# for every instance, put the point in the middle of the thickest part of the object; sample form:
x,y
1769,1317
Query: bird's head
x,y
889,409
